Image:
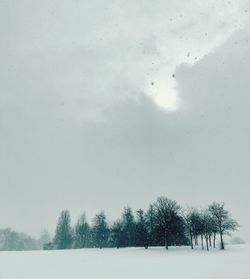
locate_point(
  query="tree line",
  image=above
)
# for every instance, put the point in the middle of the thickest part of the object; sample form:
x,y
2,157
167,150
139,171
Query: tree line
x,y
164,223
11,240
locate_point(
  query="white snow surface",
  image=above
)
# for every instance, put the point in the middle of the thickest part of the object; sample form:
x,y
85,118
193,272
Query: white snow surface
x,y
129,263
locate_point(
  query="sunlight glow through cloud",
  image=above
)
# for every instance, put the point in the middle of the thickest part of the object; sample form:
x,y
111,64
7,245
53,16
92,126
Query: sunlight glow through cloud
x,y
124,48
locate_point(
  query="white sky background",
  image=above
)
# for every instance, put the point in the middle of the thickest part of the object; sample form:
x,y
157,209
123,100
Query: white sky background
x,y
92,118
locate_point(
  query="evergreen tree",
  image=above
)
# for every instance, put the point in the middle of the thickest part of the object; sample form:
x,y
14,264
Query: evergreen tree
x,y
117,235
100,231
151,226
128,226
63,237
141,229
82,233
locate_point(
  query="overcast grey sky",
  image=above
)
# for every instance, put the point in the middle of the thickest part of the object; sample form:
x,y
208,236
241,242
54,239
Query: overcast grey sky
x,y
104,104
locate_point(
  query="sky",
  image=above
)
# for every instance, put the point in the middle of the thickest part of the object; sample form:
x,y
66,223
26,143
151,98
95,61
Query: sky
x,y
104,105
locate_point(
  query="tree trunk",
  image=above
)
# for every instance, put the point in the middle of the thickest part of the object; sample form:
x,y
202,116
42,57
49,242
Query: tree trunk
x,y
147,243
196,240
207,242
202,245
191,239
210,241
221,241
166,239
214,239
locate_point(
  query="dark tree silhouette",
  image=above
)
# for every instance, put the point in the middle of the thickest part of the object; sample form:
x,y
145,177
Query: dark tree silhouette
x,y
164,223
166,212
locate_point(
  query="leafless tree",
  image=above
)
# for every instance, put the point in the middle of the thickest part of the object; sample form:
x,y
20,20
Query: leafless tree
x,y
223,220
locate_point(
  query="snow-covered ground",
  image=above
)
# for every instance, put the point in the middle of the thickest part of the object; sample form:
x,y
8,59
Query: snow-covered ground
x,y
127,263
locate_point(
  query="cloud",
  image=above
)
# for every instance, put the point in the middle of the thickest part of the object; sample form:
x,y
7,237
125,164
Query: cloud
x,y
88,116
88,55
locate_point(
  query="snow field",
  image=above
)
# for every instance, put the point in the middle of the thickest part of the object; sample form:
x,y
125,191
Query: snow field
x,y
127,263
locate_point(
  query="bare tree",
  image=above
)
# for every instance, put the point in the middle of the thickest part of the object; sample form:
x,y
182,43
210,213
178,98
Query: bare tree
x,y
224,222
208,227
194,225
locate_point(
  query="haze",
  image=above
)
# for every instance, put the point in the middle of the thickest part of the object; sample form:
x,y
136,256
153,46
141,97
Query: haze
x,y
105,104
